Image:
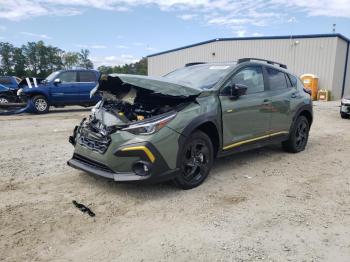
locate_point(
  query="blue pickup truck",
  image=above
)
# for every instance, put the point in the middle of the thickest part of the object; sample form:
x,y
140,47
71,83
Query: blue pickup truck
x,y
10,82
62,88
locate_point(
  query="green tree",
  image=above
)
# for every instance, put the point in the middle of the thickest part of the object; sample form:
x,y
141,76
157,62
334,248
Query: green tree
x,y
70,60
85,62
6,53
138,68
19,61
30,52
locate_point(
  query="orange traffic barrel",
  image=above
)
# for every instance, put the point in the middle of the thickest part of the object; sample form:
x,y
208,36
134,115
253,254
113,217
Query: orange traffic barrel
x,y
310,81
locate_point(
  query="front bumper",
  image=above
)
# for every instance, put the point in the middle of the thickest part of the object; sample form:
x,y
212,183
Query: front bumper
x,y
345,108
95,168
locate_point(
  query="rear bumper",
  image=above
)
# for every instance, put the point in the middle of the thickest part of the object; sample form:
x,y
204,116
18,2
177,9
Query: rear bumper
x,y
103,171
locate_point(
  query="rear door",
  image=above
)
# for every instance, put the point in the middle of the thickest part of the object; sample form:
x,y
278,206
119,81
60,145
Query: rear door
x,y
246,119
282,94
67,91
87,81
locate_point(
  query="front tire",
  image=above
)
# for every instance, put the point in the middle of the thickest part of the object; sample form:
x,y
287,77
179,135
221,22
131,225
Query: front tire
x,y
41,105
298,136
344,115
4,100
196,160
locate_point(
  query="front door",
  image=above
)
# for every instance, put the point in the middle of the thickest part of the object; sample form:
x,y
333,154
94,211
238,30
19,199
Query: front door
x,y
247,118
65,92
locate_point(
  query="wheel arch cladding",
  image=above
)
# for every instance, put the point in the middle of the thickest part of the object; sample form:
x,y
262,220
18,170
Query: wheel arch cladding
x,y
207,123
308,116
210,129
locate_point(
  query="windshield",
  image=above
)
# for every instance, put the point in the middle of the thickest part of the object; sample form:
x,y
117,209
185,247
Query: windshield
x,y
200,76
51,77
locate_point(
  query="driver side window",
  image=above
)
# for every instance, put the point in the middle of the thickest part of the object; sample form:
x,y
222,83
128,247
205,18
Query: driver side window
x,y
251,77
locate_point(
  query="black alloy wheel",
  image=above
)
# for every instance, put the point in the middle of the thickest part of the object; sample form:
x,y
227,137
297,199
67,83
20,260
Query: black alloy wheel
x,y
196,160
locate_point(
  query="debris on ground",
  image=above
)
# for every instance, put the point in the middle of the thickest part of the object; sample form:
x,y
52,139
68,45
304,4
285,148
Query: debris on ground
x,y
83,208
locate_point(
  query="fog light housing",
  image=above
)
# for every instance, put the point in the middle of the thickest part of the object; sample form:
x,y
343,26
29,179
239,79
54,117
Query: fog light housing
x,y
142,168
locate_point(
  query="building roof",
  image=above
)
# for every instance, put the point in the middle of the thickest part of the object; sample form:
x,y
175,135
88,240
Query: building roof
x,y
254,38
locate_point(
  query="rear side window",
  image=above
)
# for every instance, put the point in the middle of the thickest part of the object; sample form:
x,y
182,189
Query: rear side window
x,y
277,79
250,77
68,77
5,80
293,80
87,77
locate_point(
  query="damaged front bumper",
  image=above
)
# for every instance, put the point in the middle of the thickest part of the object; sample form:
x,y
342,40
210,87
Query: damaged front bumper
x,y
95,168
123,156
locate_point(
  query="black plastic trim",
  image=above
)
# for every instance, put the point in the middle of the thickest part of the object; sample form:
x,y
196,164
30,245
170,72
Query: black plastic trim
x,y
123,177
158,166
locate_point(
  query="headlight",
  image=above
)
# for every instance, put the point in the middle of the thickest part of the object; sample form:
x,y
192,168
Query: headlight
x,y
345,101
149,128
97,106
19,91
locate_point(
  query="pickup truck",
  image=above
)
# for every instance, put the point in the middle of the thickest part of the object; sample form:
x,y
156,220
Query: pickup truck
x,y
62,88
10,82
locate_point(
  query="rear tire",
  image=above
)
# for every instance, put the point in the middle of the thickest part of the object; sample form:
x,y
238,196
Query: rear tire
x,y
298,136
41,105
344,115
196,160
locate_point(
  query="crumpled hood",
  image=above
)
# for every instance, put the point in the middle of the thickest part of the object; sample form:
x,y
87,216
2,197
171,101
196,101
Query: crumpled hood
x,y
162,85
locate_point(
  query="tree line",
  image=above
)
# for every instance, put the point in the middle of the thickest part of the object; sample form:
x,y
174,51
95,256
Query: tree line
x,y
36,59
137,68
39,60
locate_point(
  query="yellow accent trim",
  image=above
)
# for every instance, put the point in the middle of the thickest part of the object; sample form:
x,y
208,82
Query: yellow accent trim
x,y
142,148
254,139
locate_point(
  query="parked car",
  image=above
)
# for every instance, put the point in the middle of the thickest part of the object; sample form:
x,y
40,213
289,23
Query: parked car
x,y
7,95
172,127
62,88
10,81
345,107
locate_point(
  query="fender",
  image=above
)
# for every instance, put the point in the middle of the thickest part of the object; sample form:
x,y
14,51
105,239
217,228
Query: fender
x,y
36,91
303,107
212,117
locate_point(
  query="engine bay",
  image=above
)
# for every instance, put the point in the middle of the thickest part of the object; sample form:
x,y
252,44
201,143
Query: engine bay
x,y
133,104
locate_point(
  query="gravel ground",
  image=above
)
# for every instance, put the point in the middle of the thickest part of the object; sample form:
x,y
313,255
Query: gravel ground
x,y
260,205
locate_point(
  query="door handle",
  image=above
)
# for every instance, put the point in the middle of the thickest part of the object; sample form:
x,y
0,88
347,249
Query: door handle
x,y
266,101
294,95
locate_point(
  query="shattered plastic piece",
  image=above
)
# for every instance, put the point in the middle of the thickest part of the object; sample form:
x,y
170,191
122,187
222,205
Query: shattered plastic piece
x,y
83,208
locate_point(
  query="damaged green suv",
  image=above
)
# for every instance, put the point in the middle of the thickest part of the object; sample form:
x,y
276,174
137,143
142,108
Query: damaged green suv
x,y
173,127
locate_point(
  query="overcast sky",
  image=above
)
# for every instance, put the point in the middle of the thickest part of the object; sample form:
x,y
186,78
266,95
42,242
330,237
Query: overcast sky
x,y
118,32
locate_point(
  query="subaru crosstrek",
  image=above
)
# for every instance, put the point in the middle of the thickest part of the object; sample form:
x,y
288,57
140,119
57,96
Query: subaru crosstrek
x,y
173,127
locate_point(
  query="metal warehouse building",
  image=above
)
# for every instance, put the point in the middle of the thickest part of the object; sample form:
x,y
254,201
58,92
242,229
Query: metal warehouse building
x,y
325,55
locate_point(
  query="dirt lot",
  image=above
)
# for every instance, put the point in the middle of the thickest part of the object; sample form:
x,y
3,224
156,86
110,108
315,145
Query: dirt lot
x,y
260,205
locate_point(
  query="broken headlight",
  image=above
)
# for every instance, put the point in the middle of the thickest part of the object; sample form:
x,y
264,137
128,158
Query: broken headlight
x,y
148,128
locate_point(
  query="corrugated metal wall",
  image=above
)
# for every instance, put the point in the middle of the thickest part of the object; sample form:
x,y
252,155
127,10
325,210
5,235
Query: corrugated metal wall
x,y
321,56
347,82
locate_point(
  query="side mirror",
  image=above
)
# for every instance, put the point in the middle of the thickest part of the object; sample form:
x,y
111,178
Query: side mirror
x,y
57,81
237,90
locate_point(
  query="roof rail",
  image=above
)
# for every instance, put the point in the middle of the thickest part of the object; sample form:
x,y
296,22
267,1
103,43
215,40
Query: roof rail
x,y
241,60
194,63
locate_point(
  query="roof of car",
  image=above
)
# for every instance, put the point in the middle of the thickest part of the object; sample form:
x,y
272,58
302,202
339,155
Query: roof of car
x,y
235,63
